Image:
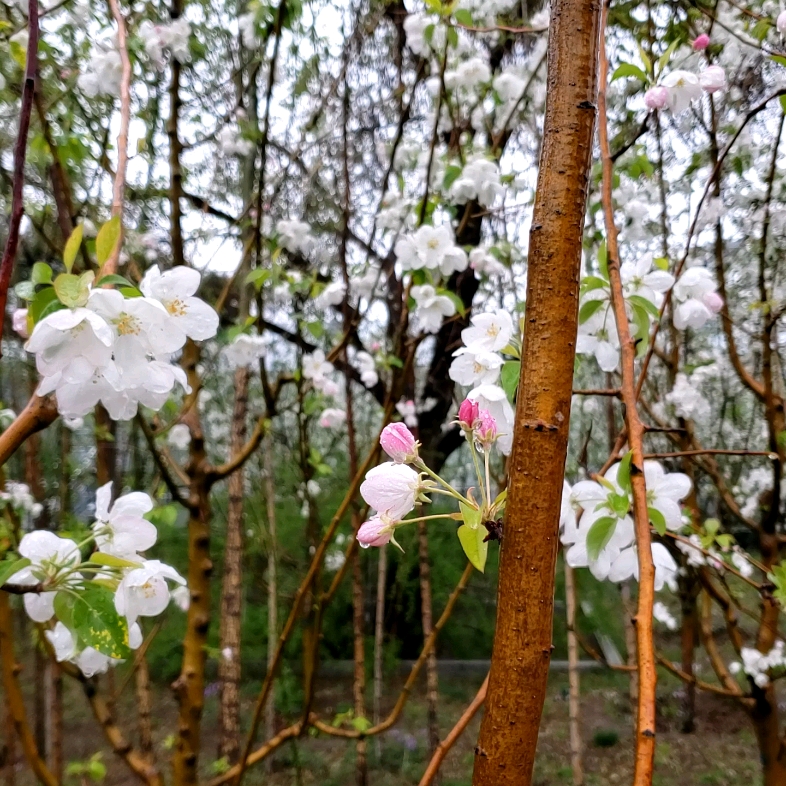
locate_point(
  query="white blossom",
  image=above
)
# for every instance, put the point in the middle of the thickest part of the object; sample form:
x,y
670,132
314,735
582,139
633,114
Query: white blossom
x,y
431,308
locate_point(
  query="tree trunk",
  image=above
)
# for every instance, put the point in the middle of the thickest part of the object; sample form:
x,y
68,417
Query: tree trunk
x,y
9,747
432,692
688,591
379,641
767,727
505,753
574,694
272,590
232,588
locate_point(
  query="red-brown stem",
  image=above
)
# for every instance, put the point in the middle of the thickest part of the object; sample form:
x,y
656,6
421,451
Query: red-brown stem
x,y
20,151
461,724
645,716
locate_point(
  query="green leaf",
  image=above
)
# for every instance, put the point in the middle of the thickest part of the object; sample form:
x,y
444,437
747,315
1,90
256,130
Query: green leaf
x,y
317,329
461,309
662,263
463,17
647,305
97,623
782,100
780,60
72,246
43,298
51,307
641,320
130,292
603,262
258,277
471,535
42,273
72,290
666,56
623,473
645,58
9,567
599,535
115,279
658,520
106,239
509,377
628,69
360,723
589,283
452,37
452,173
25,290
100,558
588,308
619,503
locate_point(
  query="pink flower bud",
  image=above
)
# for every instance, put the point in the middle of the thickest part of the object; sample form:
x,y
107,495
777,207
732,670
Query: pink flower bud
x,y
713,301
712,79
399,443
19,322
656,97
701,42
485,429
374,532
468,413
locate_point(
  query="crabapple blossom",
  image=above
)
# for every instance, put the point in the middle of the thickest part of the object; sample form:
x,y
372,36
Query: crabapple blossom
x,y
431,248
366,365
485,429
656,97
780,23
391,489
469,75
179,436
467,413
175,289
407,410
639,278
19,323
489,332
245,351
493,399
626,565
295,236
701,42
479,180
687,400
377,531
121,530
664,492
62,641
232,144
333,294
661,613
431,307
712,79
484,263
696,297
144,592
332,417
683,87
598,336
475,368
50,556
399,443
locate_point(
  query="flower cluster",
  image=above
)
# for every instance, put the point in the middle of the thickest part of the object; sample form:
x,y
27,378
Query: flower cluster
x,y
316,368
103,74
97,603
604,540
394,488
431,248
117,350
478,362
758,665
679,88
173,37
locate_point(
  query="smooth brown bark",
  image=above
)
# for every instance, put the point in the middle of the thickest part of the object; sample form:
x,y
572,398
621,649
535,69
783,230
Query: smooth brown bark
x,y
272,584
231,589
522,643
359,681
379,639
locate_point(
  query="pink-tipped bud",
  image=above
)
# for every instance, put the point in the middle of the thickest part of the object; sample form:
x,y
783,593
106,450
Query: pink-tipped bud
x,y
701,42
468,413
485,429
374,532
656,97
713,301
780,23
399,443
712,79
19,323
